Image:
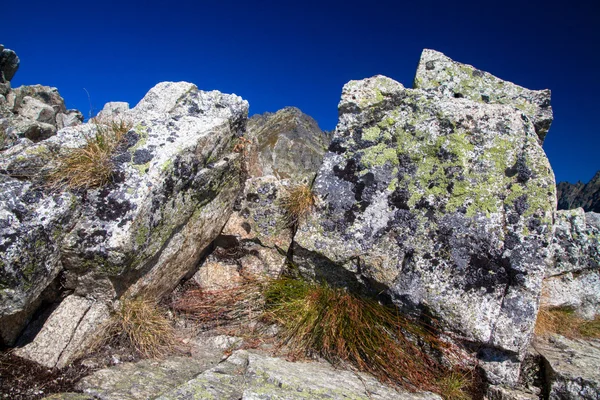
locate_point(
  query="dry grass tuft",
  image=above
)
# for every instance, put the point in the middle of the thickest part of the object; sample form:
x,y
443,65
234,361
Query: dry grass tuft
x,y
143,326
214,308
90,166
342,327
298,203
565,322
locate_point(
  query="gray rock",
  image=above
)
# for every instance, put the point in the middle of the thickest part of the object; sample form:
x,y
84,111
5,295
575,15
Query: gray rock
x,y
287,144
113,109
146,379
505,393
573,278
174,188
9,64
150,229
32,223
571,367
69,329
70,118
444,204
438,73
252,376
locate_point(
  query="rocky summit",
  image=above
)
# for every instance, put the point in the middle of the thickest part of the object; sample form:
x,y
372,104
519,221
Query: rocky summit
x,y
435,201
584,195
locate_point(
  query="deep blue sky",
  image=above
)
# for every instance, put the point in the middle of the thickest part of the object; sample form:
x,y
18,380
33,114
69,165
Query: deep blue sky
x,y
277,54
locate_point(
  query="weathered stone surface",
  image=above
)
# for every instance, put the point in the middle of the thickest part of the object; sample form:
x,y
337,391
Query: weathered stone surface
x,y
252,376
571,367
31,225
70,327
439,73
584,195
177,184
444,204
146,379
255,240
9,64
504,393
573,279
287,144
36,112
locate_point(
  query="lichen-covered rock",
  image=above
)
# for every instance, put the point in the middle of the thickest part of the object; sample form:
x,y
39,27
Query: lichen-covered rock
x,y
255,240
441,74
32,223
176,182
69,329
444,204
573,278
287,144
253,376
571,367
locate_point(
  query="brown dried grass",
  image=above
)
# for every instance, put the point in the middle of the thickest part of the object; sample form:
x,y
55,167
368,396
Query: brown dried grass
x,y
298,203
142,325
565,322
344,328
90,166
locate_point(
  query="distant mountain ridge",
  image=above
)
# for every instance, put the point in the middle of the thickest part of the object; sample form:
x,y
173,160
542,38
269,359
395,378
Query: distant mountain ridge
x,y
585,195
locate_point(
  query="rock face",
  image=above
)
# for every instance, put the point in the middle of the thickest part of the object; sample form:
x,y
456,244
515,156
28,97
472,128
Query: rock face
x,y
174,185
255,240
571,367
287,144
573,279
443,203
438,73
586,196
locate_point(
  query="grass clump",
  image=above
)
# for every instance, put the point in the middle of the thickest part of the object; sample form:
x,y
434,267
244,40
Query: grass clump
x,y
345,328
564,321
298,203
90,166
141,325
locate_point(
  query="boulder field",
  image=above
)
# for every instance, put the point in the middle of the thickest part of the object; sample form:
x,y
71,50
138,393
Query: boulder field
x,y
436,199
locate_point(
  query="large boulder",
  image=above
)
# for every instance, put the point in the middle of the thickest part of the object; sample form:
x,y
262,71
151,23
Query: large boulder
x,y
437,72
573,279
287,144
444,204
174,184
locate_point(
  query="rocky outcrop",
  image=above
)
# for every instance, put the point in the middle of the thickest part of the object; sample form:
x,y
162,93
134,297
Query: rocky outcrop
x,y
443,203
574,195
174,183
571,368
573,278
287,144
438,73
32,112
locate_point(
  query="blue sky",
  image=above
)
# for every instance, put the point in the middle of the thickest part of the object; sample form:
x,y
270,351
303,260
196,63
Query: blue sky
x,y
280,53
